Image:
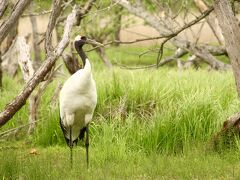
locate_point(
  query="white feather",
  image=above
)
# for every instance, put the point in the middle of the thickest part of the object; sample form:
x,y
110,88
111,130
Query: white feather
x,y
78,99
77,38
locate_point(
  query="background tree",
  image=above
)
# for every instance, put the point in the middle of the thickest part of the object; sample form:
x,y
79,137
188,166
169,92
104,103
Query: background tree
x,y
103,29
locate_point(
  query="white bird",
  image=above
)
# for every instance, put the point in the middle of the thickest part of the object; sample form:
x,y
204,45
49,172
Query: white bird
x,y
78,99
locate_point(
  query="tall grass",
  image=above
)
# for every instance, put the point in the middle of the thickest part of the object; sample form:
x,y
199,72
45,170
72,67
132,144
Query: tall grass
x,y
152,111
141,117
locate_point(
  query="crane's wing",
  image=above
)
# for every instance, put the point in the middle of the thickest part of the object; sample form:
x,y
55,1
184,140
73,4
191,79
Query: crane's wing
x,y
65,132
64,129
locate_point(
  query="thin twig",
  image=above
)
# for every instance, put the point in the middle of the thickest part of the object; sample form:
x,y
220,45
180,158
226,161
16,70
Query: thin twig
x,y
37,14
17,128
135,68
100,10
127,42
64,6
170,36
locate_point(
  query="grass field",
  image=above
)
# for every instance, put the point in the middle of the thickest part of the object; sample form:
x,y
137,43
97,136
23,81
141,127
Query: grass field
x,y
148,124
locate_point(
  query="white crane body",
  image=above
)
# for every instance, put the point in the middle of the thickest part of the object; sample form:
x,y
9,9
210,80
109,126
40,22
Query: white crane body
x,y
78,99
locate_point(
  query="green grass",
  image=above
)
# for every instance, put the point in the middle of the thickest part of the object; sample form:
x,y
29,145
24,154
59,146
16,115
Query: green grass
x,y
53,163
148,124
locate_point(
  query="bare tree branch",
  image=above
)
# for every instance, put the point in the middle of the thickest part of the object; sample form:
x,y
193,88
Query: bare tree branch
x,y
17,128
34,101
9,60
37,14
82,12
211,20
1,71
165,30
21,98
16,13
3,7
178,54
230,27
24,61
139,11
170,36
127,42
57,8
71,63
36,47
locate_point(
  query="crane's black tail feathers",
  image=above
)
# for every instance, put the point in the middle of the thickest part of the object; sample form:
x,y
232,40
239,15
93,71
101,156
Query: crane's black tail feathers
x,y
82,133
64,130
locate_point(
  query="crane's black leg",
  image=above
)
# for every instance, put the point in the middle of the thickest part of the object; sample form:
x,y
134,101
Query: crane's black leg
x,y
87,144
71,147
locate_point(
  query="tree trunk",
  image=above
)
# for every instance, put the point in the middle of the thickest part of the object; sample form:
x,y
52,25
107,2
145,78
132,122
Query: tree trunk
x,y
1,71
13,18
211,20
13,32
34,102
231,32
71,63
104,57
117,24
10,60
51,24
36,47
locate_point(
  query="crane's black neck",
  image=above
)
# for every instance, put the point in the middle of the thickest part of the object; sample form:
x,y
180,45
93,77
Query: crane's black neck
x,y
78,47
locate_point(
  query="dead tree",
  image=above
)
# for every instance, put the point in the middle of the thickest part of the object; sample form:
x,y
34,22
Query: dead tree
x,y
13,18
71,63
70,60
57,8
34,99
40,74
103,28
104,57
3,7
117,23
11,37
26,66
165,27
231,32
211,20
20,52
23,57
0,71
36,47
9,26
229,25
9,65
10,61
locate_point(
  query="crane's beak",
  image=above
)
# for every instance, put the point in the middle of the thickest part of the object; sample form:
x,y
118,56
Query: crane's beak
x,y
93,42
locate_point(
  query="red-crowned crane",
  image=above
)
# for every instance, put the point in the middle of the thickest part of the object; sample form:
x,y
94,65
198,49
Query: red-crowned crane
x,y
78,99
